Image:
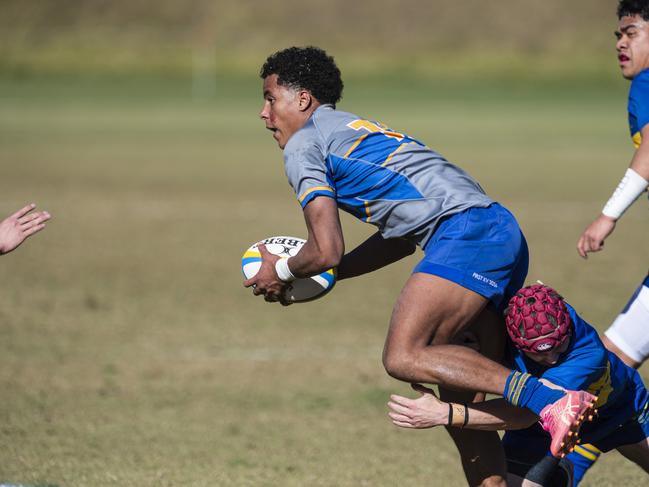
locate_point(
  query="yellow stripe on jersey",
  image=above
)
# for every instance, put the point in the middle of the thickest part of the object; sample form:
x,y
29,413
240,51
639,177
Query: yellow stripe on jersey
x,y
637,139
367,211
602,387
393,153
311,190
588,451
355,144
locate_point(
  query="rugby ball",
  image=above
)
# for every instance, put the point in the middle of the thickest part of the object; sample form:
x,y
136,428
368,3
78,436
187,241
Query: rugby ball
x,y
300,290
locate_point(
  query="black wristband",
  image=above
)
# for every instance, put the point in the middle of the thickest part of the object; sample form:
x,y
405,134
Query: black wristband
x,y
450,414
466,416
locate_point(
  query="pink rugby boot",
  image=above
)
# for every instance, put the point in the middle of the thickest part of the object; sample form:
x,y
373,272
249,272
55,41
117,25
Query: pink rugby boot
x,y
563,418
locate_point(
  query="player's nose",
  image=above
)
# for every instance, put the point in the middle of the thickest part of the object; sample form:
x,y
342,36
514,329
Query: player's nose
x,y
263,114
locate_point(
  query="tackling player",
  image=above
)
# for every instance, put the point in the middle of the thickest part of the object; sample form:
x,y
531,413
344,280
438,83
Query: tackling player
x,y
550,341
628,336
17,227
475,255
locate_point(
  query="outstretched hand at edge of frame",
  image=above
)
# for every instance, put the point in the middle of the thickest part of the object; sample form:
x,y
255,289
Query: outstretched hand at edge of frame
x,y
22,224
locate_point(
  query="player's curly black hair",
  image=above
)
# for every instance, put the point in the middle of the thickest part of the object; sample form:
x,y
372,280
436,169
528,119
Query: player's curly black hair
x,y
633,7
309,68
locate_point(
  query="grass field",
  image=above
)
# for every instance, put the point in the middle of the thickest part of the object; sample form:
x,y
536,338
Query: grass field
x,y
132,356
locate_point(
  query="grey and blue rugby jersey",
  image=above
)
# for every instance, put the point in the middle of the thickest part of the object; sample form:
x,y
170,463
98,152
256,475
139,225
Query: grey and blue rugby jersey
x,y
381,177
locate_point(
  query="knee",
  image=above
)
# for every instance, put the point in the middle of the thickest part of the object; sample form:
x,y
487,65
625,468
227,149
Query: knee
x,y
397,365
404,365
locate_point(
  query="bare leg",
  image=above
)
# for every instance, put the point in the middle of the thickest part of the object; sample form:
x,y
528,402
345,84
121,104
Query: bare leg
x,y
428,316
429,312
481,452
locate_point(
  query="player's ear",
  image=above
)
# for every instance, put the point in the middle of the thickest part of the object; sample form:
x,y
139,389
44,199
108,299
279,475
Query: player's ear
x,y
305,100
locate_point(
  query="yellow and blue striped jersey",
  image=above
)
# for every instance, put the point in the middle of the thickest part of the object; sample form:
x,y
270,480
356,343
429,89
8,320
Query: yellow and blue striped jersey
x,y
587,365
380,176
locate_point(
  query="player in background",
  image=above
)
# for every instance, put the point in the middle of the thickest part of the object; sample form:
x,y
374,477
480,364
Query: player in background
x,y
628,336
550,341
22,224
475,255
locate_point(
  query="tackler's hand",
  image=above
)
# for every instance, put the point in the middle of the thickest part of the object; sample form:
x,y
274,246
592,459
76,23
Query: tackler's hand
x,y
426,411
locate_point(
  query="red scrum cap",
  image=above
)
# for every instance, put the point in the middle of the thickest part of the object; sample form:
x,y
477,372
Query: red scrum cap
x,y
537,319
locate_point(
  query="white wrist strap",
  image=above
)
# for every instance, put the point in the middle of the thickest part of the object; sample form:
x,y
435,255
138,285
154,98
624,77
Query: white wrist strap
x,y
631,186
283,271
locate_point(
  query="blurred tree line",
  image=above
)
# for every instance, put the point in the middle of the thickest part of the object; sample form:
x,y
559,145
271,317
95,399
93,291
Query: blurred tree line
x,y
173,35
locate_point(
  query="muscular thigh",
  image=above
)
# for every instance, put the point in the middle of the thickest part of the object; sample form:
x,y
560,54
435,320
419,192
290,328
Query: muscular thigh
x,y
488,331
485,335
474,257
431,311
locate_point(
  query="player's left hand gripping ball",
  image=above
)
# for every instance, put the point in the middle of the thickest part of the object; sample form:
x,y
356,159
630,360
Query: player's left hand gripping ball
x,y
300,290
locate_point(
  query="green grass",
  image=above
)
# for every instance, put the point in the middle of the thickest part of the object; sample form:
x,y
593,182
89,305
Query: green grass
x,y
131,354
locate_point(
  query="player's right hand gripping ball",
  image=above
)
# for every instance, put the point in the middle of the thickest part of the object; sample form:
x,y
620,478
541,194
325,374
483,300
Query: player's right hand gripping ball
x,y
300,290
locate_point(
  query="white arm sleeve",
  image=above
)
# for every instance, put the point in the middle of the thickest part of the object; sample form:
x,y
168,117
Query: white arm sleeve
x,y
631,186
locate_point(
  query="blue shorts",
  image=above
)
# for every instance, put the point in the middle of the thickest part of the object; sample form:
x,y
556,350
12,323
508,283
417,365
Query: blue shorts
x,y
481,249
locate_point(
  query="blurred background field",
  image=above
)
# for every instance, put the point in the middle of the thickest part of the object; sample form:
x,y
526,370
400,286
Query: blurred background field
x,y
131,355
